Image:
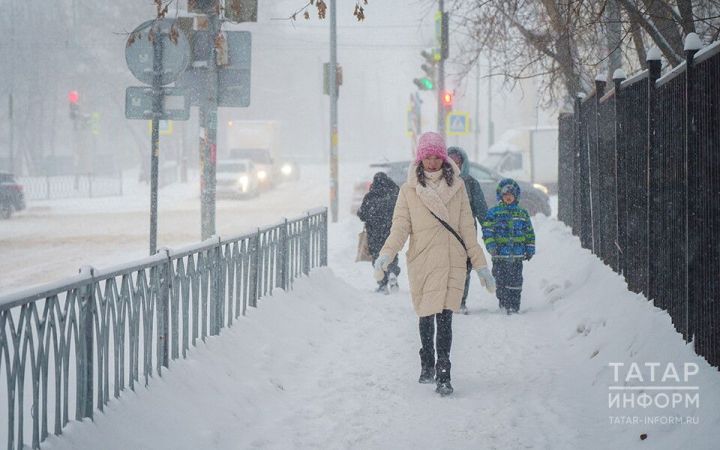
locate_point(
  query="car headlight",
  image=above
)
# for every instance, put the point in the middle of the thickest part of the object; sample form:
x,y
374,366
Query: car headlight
x,y
262,175
244,181
540,187
286,169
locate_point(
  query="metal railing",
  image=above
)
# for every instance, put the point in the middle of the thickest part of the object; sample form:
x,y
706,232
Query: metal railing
x,y
67,347
642,190
71,186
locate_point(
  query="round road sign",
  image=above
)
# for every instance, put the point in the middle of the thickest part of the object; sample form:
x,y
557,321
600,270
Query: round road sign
x,y
175,51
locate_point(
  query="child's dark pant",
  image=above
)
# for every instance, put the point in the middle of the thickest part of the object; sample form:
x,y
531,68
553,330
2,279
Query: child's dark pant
x,y
508,280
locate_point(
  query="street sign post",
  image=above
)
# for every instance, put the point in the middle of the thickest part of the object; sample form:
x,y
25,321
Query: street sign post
x,y
157,53
210,69
233,78
457,123
139,103
175,51
165,127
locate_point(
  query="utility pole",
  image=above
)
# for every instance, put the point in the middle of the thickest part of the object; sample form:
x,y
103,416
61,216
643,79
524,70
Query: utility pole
x,y
441,69
208,135
333,88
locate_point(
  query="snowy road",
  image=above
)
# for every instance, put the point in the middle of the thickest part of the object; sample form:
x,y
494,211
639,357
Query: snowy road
x,y
52,239
333,365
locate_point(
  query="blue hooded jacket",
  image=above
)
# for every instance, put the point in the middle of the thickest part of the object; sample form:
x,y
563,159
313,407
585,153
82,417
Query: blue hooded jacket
x,y
472,186
507,229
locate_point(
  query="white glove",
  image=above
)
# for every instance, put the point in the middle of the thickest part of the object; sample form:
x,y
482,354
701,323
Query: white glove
x,y
486,279
381,263
380,267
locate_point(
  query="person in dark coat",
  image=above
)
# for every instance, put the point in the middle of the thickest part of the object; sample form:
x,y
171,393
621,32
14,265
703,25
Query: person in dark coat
x,y
377,212
477,202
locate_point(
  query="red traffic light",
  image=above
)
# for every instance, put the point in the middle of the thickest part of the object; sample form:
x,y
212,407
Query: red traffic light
x,y
73,97
447,98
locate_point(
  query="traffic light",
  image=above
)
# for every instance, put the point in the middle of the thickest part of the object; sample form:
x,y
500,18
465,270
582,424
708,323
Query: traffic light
x,y
424,84
447,100
73,98
427,82
431,55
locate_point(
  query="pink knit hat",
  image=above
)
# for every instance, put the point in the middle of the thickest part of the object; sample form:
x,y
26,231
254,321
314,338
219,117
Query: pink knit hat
x,y
431,144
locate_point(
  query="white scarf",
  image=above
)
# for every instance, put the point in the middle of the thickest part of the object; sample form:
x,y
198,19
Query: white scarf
x,y
436,194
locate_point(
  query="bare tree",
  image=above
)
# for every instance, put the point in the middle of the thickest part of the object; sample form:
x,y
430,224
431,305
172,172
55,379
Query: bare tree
x,y
567,43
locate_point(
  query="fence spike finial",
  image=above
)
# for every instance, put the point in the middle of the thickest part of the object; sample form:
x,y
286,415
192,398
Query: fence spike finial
x,y
693,42
654,54
88,271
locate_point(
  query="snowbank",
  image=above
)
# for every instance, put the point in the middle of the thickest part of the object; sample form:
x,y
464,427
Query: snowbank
x,y
334,365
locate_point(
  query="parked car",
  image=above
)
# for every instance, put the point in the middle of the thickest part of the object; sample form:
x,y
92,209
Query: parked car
x,y
532,199
236,178
12,197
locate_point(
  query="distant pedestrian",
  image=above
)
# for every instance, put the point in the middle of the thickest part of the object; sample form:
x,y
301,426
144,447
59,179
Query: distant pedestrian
x,y
477,204
510,240
376,211
433,210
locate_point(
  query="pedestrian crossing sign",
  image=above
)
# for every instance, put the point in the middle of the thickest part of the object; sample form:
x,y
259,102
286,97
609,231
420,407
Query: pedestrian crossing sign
x,y
457,123
165,127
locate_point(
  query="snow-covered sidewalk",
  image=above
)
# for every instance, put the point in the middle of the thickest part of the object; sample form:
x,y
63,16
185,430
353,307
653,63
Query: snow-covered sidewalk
x,y
334,365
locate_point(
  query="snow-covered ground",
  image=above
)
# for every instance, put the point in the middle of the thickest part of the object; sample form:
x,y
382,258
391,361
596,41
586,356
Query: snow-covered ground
x,y
334,365
52,239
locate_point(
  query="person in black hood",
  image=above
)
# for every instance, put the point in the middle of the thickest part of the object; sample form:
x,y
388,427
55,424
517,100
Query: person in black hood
x,y
477,202
377,211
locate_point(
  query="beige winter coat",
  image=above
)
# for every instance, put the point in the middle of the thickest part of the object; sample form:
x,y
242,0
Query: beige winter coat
x,y
436,260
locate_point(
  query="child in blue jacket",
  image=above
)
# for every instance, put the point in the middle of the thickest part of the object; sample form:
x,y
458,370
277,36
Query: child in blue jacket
x,y
510,239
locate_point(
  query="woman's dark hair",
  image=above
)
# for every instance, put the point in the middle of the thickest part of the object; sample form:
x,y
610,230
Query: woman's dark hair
x,y
446,169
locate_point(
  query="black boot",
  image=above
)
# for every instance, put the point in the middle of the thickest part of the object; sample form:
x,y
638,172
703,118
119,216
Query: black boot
x,y
443,377
427,367
427,375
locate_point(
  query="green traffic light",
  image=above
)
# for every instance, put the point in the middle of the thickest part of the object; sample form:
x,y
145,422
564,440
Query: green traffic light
x,y
424,83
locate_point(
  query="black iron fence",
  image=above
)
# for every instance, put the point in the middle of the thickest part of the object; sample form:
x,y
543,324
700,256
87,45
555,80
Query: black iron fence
x,y
639,183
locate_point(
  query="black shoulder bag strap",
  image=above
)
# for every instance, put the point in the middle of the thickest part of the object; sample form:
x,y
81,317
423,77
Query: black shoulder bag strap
x,y
454,233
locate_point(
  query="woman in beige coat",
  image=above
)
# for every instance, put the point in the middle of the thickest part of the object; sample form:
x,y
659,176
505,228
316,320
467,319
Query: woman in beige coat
x,y
436,258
